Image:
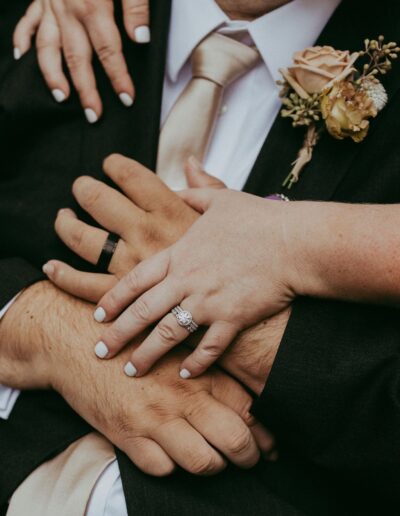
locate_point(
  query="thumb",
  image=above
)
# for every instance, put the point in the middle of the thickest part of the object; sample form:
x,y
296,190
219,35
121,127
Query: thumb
x,y
198,198
136,20
197,178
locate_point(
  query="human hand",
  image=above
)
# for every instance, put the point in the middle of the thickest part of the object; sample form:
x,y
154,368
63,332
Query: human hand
x,y
229,295
149,218
159,422
73,29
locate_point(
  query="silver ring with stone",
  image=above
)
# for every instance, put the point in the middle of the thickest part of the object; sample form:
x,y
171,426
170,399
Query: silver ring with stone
x,y
185,319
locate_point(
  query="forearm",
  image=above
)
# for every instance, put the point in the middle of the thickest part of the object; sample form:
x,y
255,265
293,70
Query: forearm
x,y
346,251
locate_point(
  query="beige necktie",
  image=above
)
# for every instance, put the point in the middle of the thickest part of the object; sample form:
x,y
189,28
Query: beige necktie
x,y
216,62
63,485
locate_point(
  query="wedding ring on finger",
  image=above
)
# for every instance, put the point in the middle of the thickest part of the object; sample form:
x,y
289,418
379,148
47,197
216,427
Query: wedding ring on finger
x,y
185,319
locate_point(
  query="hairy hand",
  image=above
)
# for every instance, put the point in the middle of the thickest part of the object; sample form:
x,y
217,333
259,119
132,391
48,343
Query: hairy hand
x,y
159,421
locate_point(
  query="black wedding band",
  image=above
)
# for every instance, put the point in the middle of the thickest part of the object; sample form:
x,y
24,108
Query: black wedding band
x,y
109,247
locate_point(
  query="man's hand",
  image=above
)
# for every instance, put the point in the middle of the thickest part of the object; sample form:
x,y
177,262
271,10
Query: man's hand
x,y
149,219
159,420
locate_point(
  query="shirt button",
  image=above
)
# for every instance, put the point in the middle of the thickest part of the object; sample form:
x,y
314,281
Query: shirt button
x,y
223,110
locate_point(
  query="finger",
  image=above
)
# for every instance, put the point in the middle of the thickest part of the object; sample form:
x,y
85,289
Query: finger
x,y
226,431
188,448
84,240
136,20
26,28
78,56
143,277
198,178
140,184
165,336
107,206
107,43
199,199
149,456
150,307
211,347
88,286
264,439
48,44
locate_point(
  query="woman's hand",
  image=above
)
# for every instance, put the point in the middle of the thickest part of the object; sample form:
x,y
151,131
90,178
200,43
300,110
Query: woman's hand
x,y
148,218
231,270
74,28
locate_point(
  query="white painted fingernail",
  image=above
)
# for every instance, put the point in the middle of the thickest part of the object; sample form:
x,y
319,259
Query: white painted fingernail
x,y
91,116
130,370
126,99
59,95
17,53
142,34
48,269
101,350
99,314
185,374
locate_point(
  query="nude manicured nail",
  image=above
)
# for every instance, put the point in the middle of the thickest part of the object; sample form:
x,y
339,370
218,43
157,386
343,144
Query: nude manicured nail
x,y
130,370
99,314
185,374
101,350
142,34
91,116
59,95
126,99
17,53
48,269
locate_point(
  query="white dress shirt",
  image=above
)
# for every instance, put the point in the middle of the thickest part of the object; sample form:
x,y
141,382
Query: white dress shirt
x,y
250,106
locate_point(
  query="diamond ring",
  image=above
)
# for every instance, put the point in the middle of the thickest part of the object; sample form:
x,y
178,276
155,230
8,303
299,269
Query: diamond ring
x,y
185,319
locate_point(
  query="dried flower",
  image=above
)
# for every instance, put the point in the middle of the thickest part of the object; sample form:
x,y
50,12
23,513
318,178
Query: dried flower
x,y
376,92
346,110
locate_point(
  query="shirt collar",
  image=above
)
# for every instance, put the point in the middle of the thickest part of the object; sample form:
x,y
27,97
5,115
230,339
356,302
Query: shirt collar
x,y
276,34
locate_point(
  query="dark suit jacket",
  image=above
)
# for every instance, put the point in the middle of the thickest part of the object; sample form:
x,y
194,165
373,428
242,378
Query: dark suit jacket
x,y
333,395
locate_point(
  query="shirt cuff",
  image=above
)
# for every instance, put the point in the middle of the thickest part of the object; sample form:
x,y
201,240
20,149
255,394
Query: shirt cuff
x,y
8,396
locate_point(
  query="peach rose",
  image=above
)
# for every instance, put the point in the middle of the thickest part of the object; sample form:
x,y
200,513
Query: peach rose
x,y
315,67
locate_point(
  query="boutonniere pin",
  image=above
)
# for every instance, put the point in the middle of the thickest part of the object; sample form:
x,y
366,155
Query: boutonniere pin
x,y
324,91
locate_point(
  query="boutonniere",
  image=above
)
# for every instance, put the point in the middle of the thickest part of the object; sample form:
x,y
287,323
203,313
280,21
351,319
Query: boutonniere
x,y
325,91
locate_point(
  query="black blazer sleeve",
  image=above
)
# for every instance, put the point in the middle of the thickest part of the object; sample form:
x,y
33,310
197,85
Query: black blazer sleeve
x,y
334,391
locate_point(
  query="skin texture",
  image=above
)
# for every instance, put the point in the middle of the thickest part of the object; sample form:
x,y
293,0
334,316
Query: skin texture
x,y
159,421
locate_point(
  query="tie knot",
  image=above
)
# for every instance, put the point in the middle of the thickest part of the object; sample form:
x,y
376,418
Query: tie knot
x,y
222,60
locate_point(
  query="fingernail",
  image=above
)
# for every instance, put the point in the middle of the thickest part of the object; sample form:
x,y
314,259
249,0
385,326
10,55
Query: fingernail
x,y
126,99
185,374
48,269
142,34
101,350
130,370
91,116
17,53
99,314
59,95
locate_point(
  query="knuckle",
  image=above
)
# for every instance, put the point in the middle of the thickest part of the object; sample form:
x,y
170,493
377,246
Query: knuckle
x,y
137,8
90,194
107,52
74,61
240,442
140,310
167,333
132,281
77,237
204,464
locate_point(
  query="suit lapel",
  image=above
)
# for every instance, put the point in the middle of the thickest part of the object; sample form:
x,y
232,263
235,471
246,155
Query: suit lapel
x,y
132,132
352,22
